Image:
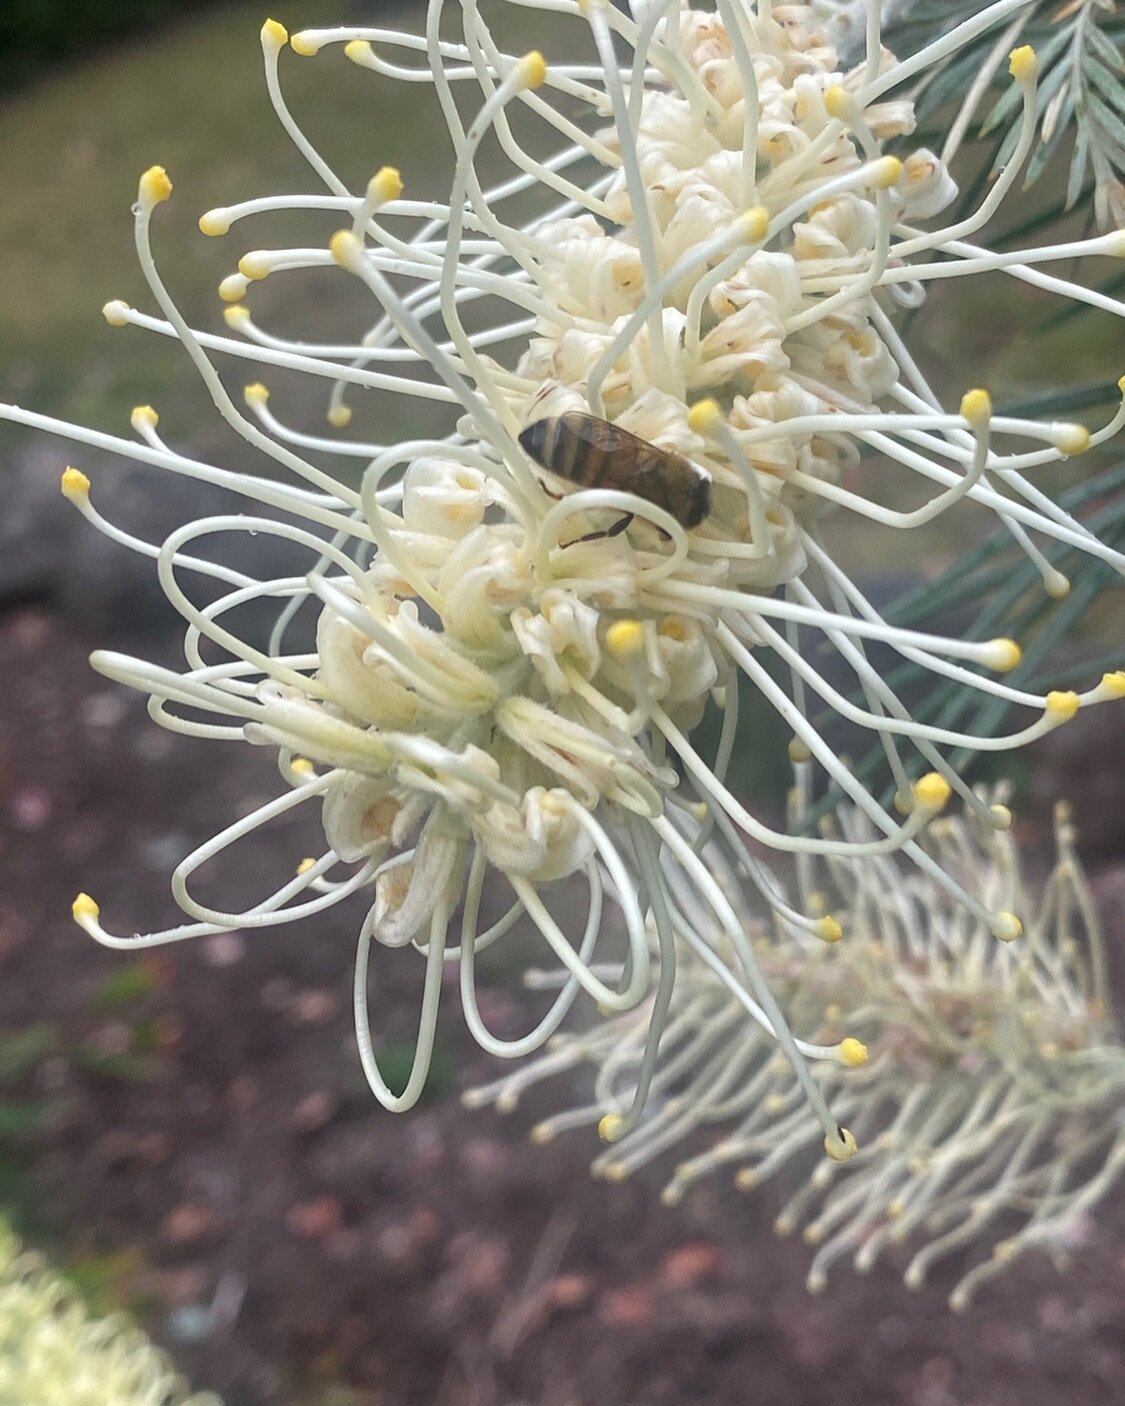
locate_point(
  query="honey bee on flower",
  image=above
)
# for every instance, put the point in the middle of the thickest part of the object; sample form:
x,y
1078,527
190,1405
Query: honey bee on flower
x,y
509,677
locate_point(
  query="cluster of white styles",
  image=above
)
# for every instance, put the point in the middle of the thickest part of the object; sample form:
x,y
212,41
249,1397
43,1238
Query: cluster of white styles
x,y
53,1353
501,713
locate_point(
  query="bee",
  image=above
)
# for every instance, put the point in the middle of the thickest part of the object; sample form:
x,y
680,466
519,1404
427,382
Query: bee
x,y
593,453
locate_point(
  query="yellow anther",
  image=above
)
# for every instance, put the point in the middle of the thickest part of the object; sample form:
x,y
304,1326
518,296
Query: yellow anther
x,y
839,103
1004,1250
798,751
542,1133
1114,684
533,69
143,417
74,483
853,1052
84,910
214,222
904,802
385,185
755,224
114,313
255,265
155,187
1121,384
274,35
1056,585
339,416
776,1103
1022,63
1001,817
615,1171
932,791
704,416
255,393
841,1145
1002,656
232,288
304,44
625,639
895,1209
306,864
745,1178
301,766
885,172
345,248
698,811
1062,705
976,406
828,929
1072,439
610,1127
236,316
1007,927
360,52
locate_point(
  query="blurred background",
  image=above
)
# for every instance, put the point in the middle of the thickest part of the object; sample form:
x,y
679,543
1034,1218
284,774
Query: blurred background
x,y
188,1135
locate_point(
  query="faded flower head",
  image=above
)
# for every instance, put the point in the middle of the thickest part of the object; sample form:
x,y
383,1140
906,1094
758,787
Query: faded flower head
x,y
53,1353
989,1102
511,662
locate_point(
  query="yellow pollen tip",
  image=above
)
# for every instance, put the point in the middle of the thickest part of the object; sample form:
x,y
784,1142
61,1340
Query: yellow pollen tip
x,y
541,1134
932,791
704,416
84,909
339,416
385,185
976,406
698,811
610,1127
841,1145
301,766
1073,439
143,417
533,69
828,929
305,865
254,266
798,751
114,313
74,483
360,52
304,44
625,639
1001,817
853,1052
155,187
1022,63
755,224
1121,384
1007,927
1062,706
236,316
233,288
274,35
1114,684
345,248
886,172
1057,585
255,393
214,223
839,103
1004,655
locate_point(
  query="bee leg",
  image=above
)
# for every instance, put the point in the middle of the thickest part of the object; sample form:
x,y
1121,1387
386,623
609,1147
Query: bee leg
x,y
615,531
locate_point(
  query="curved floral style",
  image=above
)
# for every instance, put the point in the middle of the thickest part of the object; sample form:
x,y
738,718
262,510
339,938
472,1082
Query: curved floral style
x,y
992,1094
509,670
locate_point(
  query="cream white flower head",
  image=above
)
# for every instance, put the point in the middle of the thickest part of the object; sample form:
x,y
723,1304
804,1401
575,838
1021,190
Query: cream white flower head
x,y
509,667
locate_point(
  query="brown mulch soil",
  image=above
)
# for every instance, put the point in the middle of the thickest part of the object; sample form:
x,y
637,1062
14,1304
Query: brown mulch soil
x,y
212,1131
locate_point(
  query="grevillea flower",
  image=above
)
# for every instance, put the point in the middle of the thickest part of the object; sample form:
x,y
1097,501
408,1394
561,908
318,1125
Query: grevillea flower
x,y
701,240
54,1354
992,1099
